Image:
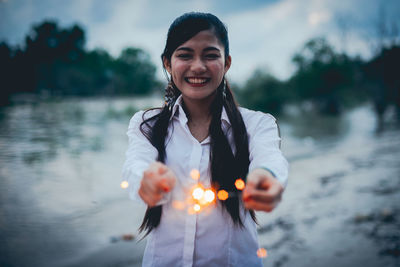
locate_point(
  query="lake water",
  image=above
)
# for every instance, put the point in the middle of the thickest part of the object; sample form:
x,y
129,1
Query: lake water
x,y
61,203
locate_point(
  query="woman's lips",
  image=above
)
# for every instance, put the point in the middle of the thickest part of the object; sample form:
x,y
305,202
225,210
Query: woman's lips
x,y
197,81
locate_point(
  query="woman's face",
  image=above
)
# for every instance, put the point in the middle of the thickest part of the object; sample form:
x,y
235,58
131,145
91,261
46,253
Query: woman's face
x,y
198,66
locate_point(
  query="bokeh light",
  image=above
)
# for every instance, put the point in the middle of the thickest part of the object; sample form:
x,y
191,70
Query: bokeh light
x,y
262,253
196,207
124,184
239,183
198,193
195,174
209,195
222,195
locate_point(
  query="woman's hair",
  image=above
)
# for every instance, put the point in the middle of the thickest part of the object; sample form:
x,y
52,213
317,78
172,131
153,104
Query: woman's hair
x,y
226,166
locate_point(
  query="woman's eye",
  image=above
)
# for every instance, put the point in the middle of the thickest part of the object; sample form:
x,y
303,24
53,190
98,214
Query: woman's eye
x,y
184,56
212,56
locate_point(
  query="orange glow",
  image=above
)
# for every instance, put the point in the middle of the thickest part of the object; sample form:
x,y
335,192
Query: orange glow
x,y
196,207
195,174
178,205
124,184
209,195
262,253
222,195
239,183
198,193
191,210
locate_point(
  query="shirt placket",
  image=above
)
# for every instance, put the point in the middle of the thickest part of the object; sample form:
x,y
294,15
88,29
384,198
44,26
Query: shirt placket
x,y
191,219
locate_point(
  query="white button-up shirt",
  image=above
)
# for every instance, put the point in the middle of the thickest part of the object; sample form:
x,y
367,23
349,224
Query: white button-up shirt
x,y
209,237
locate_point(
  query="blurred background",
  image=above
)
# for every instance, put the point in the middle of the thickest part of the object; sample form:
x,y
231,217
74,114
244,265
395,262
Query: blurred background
x,y
72,73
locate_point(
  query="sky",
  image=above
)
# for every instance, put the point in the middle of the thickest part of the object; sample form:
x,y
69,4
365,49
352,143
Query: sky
x,y
264,34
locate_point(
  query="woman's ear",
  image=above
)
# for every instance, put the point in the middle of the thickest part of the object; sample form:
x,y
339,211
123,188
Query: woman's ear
x,y
167,64
228,63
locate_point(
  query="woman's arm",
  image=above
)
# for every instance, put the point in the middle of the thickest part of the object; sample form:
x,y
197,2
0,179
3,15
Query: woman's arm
x,y
268,170
148,180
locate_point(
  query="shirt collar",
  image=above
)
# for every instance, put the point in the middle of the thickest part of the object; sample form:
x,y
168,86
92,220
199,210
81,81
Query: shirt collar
x,y
177,110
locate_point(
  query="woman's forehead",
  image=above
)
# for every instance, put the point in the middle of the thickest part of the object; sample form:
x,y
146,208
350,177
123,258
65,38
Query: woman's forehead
x,y
202,40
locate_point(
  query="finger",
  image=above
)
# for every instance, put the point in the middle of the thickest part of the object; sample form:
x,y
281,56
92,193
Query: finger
x,y
150,198
273,193
261,196
256,205
163,185
149,173
146,198
162,169
253,180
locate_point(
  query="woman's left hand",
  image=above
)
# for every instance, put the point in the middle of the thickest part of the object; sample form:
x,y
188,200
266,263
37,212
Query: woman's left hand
x,y
263,191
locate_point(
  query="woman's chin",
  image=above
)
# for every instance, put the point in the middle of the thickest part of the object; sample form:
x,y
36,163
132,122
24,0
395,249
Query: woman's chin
x,y
198,96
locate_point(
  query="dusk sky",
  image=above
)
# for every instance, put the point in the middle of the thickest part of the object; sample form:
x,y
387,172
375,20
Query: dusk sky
x,y
263,34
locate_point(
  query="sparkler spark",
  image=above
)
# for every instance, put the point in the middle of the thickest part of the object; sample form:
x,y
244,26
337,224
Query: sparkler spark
x,y
209,195
262,253
195,174
239,183
124,184
196,207
222,195
198,193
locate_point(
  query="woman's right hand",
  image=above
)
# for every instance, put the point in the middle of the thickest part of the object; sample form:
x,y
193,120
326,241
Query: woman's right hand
x,y
157,180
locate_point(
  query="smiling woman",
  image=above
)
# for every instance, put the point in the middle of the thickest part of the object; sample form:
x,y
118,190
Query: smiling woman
x,y
198,66
201,130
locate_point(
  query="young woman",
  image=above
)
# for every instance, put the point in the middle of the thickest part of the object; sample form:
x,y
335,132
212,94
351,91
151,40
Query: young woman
x,y
200,127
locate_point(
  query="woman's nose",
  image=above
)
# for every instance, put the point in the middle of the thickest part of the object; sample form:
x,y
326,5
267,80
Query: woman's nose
x,y
198,66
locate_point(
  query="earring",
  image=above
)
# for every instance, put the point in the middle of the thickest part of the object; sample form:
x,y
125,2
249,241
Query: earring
x,y
170,95
224,90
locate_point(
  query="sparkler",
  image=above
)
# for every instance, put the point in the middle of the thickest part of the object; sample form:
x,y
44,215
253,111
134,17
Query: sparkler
x,y
204,197
201,197
262,253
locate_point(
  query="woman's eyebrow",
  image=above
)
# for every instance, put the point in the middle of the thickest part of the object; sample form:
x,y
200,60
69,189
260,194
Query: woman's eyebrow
x,y
185,49
211,48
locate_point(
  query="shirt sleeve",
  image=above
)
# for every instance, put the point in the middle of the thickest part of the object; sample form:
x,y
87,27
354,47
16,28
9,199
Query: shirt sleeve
x,y
140,154
264,146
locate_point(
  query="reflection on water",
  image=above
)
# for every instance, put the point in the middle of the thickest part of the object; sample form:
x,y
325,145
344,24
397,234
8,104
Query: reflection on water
x,y
60,198
59,177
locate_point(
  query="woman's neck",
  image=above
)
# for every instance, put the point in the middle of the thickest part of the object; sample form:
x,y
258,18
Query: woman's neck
x,y
197,111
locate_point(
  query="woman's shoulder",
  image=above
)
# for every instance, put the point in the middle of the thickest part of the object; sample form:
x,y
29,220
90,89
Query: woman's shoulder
x,y
143,115
253,117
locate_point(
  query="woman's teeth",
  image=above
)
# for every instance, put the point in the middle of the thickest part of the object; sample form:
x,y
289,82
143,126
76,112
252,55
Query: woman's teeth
x,y
196,80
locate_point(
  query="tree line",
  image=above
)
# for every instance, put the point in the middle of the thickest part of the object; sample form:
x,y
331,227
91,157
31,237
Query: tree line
x,y
53,61
329,81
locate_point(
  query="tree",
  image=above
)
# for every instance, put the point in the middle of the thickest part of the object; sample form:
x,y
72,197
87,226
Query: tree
x,y
134,72
264,92
324,77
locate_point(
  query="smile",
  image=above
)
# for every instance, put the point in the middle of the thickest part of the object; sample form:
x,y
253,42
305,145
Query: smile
x,y
197,81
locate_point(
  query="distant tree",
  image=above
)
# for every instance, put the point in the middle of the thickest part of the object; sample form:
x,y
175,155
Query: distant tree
x,y
5,73
54,60
48,49
382,78
264,92
324,77
134,72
